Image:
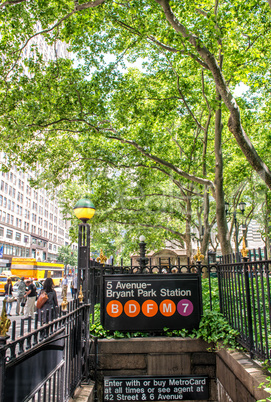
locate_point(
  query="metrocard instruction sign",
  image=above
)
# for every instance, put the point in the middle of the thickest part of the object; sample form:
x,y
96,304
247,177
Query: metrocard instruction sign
x,y
151,302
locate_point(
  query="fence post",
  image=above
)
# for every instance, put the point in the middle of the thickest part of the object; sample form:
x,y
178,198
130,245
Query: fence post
x,y
249,310
3,341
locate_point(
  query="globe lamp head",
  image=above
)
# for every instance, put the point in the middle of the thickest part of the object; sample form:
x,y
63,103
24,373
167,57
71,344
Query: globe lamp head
x,y
84,209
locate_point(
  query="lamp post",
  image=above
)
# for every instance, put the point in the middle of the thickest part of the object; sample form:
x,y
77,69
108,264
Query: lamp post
x,y
84,210
143,261
242,206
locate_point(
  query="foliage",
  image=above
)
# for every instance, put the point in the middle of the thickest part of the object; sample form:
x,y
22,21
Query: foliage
x,y
145,139
213,327
267,387
67,255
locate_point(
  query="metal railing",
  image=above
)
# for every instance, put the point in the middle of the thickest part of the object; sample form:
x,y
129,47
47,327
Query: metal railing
x,y
242,289
46,361
245,301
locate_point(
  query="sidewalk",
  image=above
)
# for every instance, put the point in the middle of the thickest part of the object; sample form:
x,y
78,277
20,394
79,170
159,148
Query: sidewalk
x,y
19,318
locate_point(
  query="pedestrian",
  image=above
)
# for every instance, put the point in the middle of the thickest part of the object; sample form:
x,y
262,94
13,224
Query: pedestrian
x,y
8,295
72,288
64,285
20,297
31,296
51,303
75,286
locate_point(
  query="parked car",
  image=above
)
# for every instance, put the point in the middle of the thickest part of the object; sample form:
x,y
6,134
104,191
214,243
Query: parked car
x,y
3,281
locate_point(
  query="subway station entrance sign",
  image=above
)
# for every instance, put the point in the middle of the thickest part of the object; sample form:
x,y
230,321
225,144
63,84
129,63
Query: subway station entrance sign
x,y
151,302
156,388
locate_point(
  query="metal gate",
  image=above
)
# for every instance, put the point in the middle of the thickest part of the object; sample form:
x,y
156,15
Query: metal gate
x,y
46,362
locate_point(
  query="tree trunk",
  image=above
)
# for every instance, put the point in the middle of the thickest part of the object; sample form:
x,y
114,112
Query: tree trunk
x,y
220,202
188,228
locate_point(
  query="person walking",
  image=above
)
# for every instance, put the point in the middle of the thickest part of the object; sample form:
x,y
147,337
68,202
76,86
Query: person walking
x,y
64,285
20,297
8,295
74,286
31,295
50,304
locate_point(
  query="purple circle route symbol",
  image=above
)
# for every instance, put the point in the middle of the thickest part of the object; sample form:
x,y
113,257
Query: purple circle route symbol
x,y
185,307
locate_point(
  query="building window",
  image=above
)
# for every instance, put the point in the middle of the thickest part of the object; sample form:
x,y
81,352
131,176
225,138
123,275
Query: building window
x,y
18,236
1,232
18,223
9,234
26,239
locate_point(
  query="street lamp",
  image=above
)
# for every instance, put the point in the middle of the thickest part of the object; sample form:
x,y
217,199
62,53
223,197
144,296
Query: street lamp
x,y
242,207
84,210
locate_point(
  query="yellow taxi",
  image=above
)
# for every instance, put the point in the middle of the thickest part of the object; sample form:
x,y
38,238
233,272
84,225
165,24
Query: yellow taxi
x,y
3,281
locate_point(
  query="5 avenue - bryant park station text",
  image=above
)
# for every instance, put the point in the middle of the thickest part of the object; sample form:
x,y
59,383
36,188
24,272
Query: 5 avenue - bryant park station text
x,y
150,302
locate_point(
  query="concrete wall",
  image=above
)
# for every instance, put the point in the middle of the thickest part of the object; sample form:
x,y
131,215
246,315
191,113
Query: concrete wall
x,y
156,356
233,377
239,378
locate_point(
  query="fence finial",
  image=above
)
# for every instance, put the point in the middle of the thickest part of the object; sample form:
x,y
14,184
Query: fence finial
x,y
80,296
244,250
198,257
64,303
102,258
4,322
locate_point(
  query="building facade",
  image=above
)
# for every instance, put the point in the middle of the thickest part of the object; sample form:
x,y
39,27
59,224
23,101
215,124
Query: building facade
x,y
31,224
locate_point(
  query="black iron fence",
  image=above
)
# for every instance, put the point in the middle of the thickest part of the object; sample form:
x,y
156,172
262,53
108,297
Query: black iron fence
x,y
207,272
244,288
240,287
46,361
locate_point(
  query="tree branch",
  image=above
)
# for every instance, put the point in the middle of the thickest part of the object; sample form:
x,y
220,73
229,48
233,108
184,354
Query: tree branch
x,y
234,122
165,163
181,235
11,3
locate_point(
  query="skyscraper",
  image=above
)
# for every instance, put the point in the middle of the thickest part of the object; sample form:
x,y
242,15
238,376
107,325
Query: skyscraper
x,y
31,224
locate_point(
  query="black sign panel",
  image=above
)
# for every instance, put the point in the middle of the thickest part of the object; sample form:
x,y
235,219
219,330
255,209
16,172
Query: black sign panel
x,y
160,388
151,302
